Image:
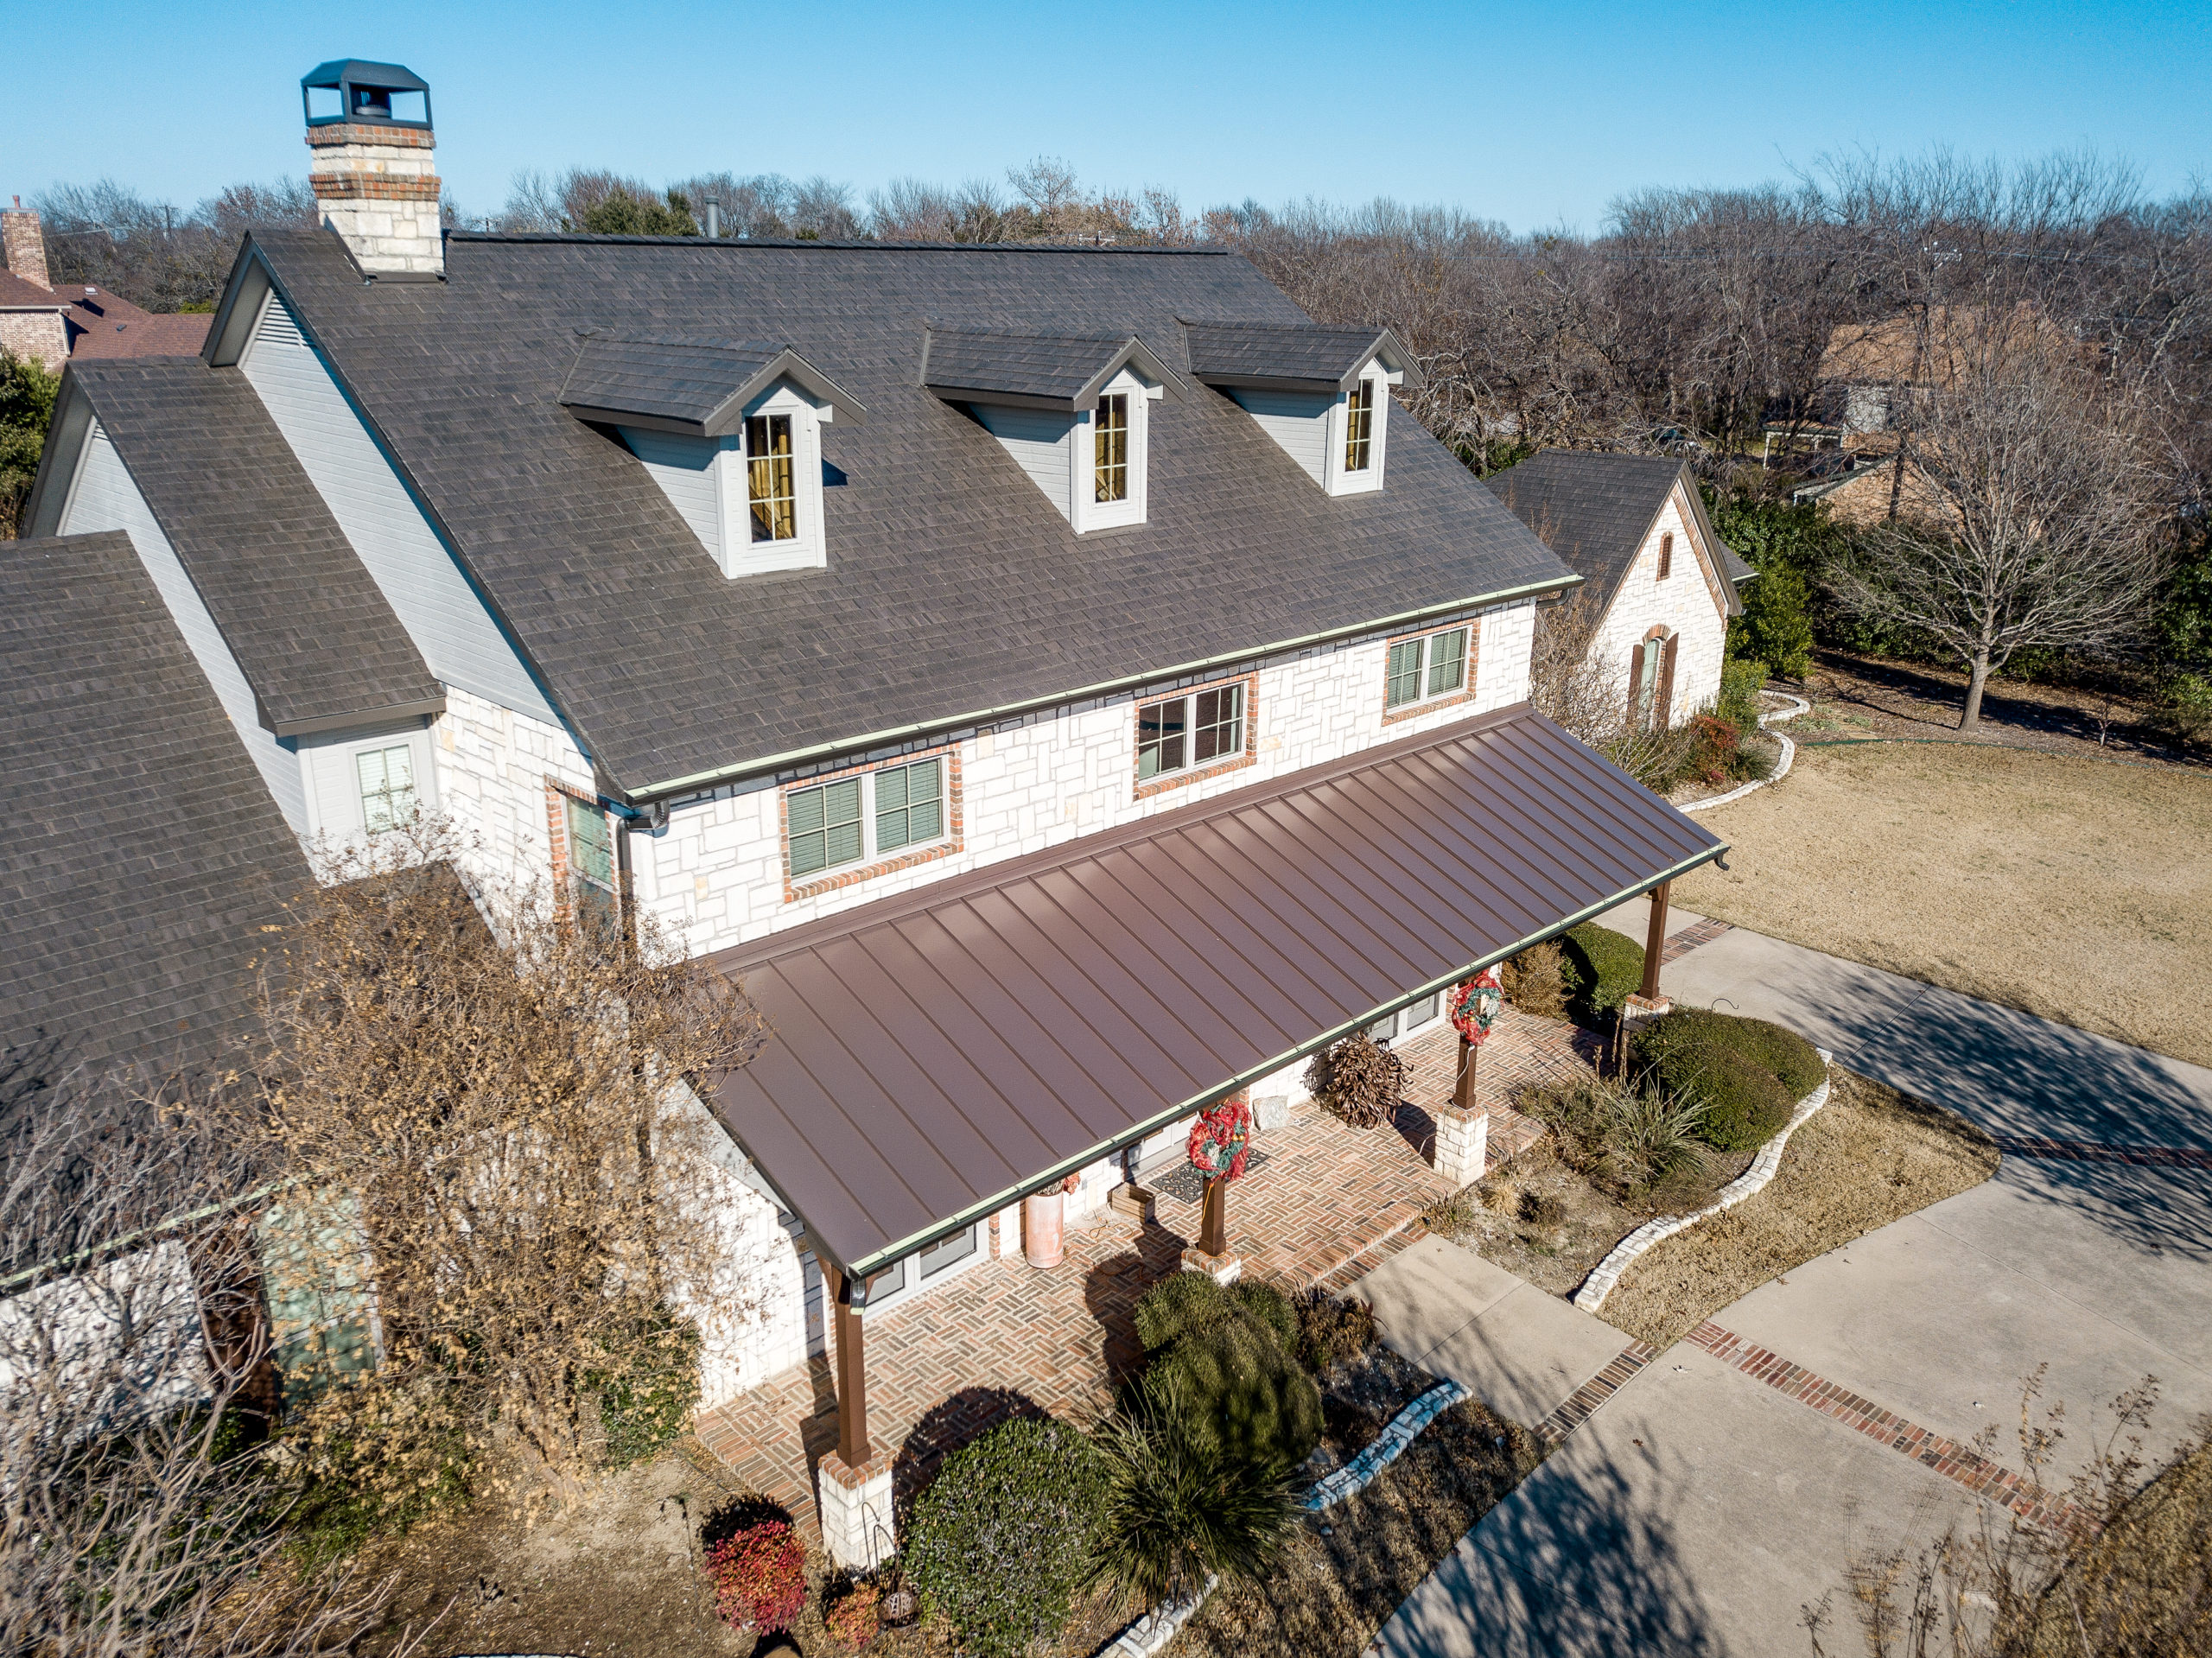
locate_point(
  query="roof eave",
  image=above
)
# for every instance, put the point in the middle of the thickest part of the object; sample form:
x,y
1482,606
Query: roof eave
x,y
314,725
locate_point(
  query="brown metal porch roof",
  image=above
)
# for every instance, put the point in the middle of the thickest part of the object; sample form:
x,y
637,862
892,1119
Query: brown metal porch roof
x,y
936,1054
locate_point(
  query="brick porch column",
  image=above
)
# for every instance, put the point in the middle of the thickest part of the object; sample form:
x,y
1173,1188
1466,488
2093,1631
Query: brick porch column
x,y
852,1496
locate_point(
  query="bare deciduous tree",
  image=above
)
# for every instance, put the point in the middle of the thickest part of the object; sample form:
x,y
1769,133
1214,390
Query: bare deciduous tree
x,y
1588,696
508,1116
2026,513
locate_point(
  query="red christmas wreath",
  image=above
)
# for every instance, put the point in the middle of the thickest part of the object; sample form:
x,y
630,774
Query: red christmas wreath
x,y
1220,1139
1474,1004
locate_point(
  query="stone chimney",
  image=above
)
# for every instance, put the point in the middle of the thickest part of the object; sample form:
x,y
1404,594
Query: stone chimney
x,y
372,168
24,244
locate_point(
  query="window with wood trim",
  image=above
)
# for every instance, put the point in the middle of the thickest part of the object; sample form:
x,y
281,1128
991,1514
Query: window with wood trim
x,y
591,859
1666,554
852,820
1110,444
1200,728
1359,427
772,478
1651,679
1433,665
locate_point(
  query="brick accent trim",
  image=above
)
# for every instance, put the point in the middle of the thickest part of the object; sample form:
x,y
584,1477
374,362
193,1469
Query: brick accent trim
x,y
1948,1458
1248,755
1581,1405
1473,626
348,186
956,829
558,794
1690,937
360,132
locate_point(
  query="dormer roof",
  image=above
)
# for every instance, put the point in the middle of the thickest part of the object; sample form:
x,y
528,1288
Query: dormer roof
x,y
698,386
1064,371
1294,357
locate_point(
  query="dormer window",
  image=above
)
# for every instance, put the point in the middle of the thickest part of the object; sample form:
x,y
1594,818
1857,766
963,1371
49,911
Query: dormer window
x,y
731,431
1321,394
1074,412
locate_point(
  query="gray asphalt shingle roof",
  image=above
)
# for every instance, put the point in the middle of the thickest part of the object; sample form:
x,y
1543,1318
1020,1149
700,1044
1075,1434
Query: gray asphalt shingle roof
x,y
1594,510
312,631
1237,354
699,385
1063,370
140,853
953,585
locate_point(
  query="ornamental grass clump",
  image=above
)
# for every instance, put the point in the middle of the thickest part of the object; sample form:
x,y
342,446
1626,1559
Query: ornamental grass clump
x,y
1002,1540
759,1577
1359,1081
1624,1137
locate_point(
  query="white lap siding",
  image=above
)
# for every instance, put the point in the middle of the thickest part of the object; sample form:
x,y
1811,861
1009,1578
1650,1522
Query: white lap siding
x,y
717,870
1686,603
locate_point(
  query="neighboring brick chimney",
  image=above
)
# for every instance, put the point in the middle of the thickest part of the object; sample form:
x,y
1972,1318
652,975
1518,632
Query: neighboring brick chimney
x,y
24,244
372,169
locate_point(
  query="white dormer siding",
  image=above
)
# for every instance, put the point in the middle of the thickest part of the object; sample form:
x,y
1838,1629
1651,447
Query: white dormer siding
x,y
708,481
1313,428
461,641
103,496
1058,453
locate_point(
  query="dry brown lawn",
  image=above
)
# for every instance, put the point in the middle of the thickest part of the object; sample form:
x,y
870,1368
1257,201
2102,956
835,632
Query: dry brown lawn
x,y
1870,1156
2076,889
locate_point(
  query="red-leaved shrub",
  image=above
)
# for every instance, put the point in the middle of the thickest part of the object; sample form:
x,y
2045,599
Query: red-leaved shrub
x,y
853,1621
759,1577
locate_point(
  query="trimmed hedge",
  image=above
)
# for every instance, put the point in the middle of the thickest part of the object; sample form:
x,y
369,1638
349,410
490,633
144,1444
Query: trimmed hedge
x,y
1748,1073
1227,1360
1605,968
1002,1540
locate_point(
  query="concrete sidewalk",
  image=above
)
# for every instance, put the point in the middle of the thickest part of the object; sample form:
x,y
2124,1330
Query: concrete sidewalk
x,y
2012,1073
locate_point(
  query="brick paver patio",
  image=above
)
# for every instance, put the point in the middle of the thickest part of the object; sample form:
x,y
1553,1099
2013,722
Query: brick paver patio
x,y
1004,1338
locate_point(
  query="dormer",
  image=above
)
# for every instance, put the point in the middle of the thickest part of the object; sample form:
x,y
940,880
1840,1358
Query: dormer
x,y
1322,394
730,429
1073,410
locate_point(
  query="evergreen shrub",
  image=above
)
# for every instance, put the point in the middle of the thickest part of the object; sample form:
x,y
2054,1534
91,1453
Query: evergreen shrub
x,y
1606,967
1748,1073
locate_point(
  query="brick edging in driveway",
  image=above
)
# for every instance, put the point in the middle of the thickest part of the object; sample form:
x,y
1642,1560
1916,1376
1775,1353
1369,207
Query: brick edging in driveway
x,y
1954,1461
1580,1406
2091,1151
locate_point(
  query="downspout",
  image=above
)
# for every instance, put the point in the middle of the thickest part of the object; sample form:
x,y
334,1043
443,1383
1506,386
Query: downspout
x,y
653,818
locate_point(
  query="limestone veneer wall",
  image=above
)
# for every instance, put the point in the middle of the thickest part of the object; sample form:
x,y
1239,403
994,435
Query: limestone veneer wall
x,y
493,767
1688,601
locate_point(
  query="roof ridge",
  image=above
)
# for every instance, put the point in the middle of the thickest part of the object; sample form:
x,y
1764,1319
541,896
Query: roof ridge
x,y
848,246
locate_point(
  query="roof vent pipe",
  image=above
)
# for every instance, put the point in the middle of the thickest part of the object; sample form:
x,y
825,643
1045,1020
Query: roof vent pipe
x,y
714,219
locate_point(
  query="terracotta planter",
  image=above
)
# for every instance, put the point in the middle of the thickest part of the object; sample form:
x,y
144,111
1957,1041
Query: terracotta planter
x,y
1041,1216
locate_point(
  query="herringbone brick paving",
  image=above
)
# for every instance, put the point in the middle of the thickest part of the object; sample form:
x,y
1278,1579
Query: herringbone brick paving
x,y
1004,1338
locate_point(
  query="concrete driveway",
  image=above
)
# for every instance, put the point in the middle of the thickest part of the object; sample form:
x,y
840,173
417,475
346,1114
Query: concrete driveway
x,y
1704,1507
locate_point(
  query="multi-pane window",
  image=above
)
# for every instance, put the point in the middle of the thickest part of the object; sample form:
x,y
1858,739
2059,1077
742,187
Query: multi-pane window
x,y
1359,427
387,782
1110,448
870,815
772,481
1407,1020
1196,729
1435,665
591,859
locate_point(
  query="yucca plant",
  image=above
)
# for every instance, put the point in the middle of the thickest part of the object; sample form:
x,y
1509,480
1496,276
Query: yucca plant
x,y
1178,1510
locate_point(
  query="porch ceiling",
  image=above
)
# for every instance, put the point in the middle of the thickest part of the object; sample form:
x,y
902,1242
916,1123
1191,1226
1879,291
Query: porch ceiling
x,y
936,1054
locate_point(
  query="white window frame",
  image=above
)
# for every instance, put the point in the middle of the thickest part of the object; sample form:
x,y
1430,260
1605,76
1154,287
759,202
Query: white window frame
x,y
1190,762
1409,1021
1335,477
1426,642
333,758
1085,513
739,555
914,1284
872,851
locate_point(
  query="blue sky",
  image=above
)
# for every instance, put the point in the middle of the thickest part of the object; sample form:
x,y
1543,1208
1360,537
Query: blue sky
x,y
1536,115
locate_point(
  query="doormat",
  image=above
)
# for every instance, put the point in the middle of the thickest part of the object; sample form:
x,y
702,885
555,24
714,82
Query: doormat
x,y
1187,1185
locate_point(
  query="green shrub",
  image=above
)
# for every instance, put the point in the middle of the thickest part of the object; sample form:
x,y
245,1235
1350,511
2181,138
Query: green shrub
x,y
1178,1509
2185,707
1227,1359
1607,966
1739,702
1002,1540
1775,630
1748,1074
648,1386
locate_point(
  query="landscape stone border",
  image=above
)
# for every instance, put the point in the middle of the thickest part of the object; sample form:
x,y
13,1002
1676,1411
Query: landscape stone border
x,y
1153,1631
1781,766
1607,1273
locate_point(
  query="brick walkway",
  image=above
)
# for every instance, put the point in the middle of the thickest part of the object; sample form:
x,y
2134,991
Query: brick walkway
x,y
1004,1338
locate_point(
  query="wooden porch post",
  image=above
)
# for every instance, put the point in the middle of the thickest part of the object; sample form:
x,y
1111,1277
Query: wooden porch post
x,y
853,1448
1463,1088
1213,1217
1655,942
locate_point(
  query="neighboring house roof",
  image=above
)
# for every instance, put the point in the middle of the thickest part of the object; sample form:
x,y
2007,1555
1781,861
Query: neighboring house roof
x,y
954,588
312,631
1906,350
140,853
1596,510
101,324
934,1055
17,295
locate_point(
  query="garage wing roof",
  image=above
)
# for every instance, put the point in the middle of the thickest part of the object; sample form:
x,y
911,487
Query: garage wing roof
x,y
934,1056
